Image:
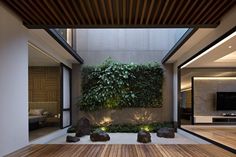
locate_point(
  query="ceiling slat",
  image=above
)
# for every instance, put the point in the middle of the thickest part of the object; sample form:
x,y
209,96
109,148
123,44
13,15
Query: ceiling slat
x,y
169,11
150,11
209,11
27,11
77,10
200,14
104,11
57,10
98,11
85,12
162,11
184,9
143,11
130,11
196,11
175,13
72,12
188,11
217,10
137,12
32,13
117,11
49,5
91,11
111,11
124,11
216,18
66,12
156,11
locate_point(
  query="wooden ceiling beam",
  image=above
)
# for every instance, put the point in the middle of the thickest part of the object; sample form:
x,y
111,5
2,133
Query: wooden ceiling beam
x,y
156,11
169,11
20,11
104,11
120,13
111,11
182,12
91,11
143,11
214,12
186,15
196,11
52,10
117,11
200,14
72,12
150,11
176,11
209,11
65,11
130,11
216,18
162,11
98,11
124,11
31,12
85,12
57,10
77,10
137,12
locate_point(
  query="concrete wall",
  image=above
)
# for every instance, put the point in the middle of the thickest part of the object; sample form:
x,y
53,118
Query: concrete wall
x,y
13,83
110,45
205,96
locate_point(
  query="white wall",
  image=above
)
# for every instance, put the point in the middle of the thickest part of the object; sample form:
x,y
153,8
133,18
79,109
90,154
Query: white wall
x,y
227,22
13,83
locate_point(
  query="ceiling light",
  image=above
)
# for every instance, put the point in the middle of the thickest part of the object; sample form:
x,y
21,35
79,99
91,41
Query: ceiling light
x,y
230,47
210,49
214,78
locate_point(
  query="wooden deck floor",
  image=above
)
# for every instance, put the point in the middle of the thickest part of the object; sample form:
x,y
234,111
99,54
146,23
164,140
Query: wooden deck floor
x,y
225,135
142,150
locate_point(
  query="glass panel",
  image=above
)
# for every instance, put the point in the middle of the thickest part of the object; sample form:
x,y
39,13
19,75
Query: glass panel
x,y
66,88
66,34
66,118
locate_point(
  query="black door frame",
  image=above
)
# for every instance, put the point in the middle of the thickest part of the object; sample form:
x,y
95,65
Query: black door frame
x,y
61,96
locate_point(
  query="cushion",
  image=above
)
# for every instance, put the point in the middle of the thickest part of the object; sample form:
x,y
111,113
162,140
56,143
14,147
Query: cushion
x,y
36,112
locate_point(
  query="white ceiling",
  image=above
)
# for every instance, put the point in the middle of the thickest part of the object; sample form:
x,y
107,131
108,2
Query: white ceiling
x,y
38,58
223,55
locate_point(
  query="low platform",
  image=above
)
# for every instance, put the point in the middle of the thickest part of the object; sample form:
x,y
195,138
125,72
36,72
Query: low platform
x,y
141,150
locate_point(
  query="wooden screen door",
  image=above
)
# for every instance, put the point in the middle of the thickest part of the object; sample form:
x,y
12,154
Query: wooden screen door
x,y
65,107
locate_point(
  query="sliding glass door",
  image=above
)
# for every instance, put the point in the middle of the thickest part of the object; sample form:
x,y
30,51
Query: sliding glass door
x,y
65,96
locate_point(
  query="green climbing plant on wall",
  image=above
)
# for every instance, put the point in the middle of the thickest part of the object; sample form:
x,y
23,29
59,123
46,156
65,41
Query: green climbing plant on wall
x,y
114,85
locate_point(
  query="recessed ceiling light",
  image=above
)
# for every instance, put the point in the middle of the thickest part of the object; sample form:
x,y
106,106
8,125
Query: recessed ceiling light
x,y
230,47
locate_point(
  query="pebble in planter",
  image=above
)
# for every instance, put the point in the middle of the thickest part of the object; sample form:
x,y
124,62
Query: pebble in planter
x,y
166,132
99,136
144,137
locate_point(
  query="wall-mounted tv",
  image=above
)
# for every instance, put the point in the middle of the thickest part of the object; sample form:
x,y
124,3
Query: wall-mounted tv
x,y
226,101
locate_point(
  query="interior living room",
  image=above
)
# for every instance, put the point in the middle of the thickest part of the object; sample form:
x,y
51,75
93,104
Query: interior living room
x,y
44,93
208,93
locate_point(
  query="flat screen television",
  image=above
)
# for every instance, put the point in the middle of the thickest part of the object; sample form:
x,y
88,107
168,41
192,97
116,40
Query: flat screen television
x,y
226,101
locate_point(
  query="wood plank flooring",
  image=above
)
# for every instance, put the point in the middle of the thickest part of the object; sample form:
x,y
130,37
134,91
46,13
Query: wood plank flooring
x,y
139,150
225,135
